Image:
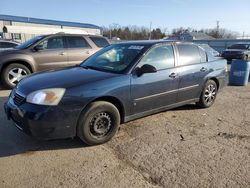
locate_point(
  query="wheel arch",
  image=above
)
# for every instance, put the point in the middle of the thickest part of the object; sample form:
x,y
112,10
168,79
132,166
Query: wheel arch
x,y
216,81
116,102
22,62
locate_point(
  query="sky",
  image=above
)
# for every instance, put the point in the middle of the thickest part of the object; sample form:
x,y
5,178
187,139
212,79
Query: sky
x,y
198,14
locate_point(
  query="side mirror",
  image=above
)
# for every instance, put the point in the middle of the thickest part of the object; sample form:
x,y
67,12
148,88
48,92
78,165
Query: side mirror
x,y
38,48
145,69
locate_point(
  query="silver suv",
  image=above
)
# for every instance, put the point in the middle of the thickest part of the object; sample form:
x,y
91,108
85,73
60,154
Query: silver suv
x,y
45,53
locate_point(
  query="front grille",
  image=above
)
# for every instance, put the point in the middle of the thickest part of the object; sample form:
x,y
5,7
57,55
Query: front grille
x,y
18,99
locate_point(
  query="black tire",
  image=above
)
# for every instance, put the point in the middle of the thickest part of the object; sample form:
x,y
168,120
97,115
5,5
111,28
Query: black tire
x,y
15,67
98,123
208,94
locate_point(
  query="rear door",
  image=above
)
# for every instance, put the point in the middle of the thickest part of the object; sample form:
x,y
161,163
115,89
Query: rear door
x,y
155,90
53,55
78,49
192,68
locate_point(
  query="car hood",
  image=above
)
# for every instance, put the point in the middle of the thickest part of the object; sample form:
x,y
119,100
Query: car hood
x,y
63,78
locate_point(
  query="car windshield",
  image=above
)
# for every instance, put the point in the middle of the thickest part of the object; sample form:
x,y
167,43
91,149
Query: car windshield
x,y
115,58
29,42
239,46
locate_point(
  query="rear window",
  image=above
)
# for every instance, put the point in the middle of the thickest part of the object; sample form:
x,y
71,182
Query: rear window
x,y
239,46
77,42
188,54
100,42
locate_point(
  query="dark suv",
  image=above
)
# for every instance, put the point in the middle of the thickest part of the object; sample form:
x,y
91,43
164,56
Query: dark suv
x,y
45,53
119,83
237,51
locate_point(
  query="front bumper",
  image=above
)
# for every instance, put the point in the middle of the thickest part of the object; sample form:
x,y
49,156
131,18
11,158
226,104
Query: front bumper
x,y
43,122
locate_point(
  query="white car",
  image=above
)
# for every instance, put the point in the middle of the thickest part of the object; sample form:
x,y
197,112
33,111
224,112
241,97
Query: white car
x,y
6,45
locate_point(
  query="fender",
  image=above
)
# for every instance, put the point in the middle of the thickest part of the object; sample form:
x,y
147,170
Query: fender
x,y
11,58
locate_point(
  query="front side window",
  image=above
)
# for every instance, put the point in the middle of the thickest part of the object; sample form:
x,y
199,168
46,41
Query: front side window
x,y
114,58
161,57
77,42
188,54
100,42
52,43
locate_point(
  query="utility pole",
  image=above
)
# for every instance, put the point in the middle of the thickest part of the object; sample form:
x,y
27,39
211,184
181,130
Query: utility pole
x,y
150,26
217,28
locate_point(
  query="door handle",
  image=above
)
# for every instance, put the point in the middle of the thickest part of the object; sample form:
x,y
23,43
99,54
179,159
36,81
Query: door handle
x,y
173,75
203,69
62,53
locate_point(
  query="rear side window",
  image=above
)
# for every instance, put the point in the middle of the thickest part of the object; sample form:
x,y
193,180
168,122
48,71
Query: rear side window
x,y
77,42
203,55
161,57
99,41
7,45
188,54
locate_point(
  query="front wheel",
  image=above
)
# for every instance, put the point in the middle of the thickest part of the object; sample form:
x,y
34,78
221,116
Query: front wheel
x,y
13,73
98,123
208,94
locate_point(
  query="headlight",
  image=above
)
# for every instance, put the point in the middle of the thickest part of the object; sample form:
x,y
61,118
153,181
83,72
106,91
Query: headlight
x,y
49,97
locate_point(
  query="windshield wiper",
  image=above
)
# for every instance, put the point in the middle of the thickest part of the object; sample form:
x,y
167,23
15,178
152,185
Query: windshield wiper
x,y
90,67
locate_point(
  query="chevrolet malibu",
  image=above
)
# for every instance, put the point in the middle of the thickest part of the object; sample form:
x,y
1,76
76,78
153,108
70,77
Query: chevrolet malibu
x,y
120,83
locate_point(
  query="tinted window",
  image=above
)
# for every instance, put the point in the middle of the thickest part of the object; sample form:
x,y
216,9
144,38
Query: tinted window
x,y
188,54
52,43
161,57
7,45
77,42
99,42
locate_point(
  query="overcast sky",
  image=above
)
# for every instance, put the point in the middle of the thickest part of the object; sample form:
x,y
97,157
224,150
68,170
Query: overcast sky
x,y
198,14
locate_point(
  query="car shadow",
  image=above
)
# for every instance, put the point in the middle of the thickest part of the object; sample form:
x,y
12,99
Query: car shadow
x,y
14,141
187,107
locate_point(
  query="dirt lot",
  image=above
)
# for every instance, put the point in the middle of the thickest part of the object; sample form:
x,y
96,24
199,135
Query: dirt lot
x,y
184,147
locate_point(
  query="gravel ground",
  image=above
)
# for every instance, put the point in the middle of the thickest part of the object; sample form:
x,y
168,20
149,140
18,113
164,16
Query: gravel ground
x,y
184,147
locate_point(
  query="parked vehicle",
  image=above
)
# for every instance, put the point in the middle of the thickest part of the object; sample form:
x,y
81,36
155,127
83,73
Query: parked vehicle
x,y
210,50
237,51
121,82
7,45
45,53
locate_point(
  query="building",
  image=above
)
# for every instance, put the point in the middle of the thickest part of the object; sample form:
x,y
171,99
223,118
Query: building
x,y
191,36
23,28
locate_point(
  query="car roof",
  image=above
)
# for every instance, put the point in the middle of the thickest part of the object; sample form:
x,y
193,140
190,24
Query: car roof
x,y
153,42
9,41
70,34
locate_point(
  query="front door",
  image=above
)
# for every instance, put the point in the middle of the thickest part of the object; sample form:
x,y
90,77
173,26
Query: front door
x,y
152,91
53,55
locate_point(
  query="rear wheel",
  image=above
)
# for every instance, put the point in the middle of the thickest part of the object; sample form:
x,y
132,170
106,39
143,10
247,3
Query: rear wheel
x,y
208,94
13,73
98,123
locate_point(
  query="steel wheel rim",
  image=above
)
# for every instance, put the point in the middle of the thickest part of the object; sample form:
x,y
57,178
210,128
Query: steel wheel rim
x,y
210,94
100,124
16,74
